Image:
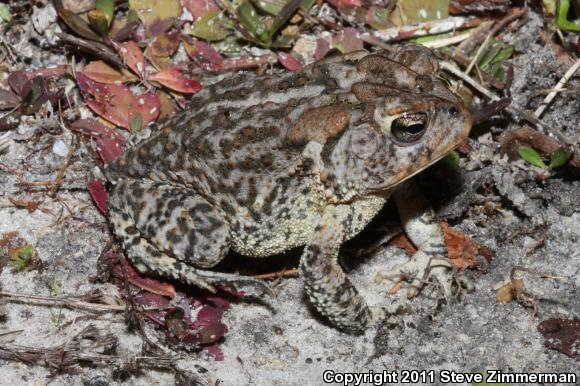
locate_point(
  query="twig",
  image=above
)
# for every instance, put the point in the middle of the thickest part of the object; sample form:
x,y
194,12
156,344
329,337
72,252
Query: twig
x,y
514,14
275,275
13,58
95,48
513,109
64,301
462,60
35,183
439,43
559,87
421,29
10,332
88,347
5,141
478,53
62,170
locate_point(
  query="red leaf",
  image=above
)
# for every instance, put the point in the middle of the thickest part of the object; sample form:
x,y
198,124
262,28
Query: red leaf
x,y
290,62
56,71
152,285
109,141
322,48
19,82
89,86
8,100
174,79
204,55
109,149
341,4
168,106
209,315
95,129
159,26
165,44
198,8
148,106
215,352
132,56
347,40
100,71
110,110
212,333
152,300
461,248
117,104
99,195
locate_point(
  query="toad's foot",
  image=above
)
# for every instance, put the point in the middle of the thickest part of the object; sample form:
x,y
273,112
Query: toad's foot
x,y
419,270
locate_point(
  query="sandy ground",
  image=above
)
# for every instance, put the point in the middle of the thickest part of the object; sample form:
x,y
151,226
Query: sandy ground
x,y
533,224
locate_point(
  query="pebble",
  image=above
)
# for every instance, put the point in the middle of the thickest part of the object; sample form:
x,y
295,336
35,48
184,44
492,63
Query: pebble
x,y
60,148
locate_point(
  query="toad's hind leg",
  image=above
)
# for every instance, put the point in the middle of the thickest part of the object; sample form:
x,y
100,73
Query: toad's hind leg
x,y
171,232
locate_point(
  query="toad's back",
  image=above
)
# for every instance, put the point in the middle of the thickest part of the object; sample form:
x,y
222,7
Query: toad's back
x,y
242,145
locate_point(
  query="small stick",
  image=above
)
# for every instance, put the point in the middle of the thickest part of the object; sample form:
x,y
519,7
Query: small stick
x,y
478,53
394,34
559,87
69,302
448,41
95,48
10,332
513,109
5,141
275,275
515,13
62,170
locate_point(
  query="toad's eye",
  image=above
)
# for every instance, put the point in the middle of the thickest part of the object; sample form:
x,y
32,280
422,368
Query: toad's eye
x,y
409,127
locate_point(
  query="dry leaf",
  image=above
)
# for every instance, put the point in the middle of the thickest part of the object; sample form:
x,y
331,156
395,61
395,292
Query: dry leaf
x,y
101,72
290,62
174,79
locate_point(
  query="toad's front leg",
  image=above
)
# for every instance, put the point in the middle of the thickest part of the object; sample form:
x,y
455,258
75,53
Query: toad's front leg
x,y
327,286
419,223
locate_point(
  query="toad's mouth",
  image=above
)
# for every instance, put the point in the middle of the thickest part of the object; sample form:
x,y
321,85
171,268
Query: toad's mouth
x,y
393,183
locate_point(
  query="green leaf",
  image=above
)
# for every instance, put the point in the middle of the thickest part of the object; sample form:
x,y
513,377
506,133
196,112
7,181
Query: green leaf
x,y
5,12
132,16
562,21
23,257
79,25
210,27
498,72
250,19
284,15
273,7
560,158
98,21
151,11
490,53
108,9
532,156
452,159
136,122
378,17
504,54
549,7
53,285
416,11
